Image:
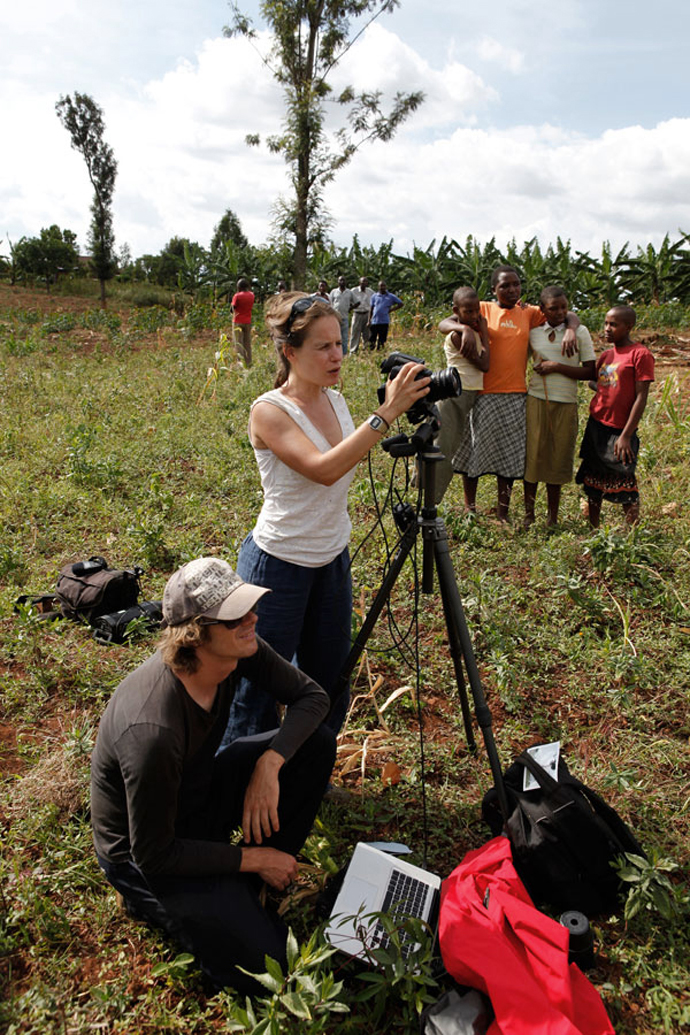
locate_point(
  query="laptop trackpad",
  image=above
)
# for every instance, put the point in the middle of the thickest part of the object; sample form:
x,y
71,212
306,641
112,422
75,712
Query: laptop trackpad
x,y
361,892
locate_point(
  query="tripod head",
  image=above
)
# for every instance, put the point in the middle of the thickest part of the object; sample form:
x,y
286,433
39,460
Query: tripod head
x,y
420,441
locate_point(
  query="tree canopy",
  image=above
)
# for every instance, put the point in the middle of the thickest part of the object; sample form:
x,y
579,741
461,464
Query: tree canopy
x,y
310,38
83,119
46,256
228,228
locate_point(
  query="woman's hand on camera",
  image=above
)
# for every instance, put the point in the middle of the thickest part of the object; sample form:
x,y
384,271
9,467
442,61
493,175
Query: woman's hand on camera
x,y
404,391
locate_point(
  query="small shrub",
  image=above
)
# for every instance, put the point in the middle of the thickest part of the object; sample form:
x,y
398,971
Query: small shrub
x,y
20,345
101,320
59,323
149,320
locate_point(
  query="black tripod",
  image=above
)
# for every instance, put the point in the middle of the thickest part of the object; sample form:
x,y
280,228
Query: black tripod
x,y
435,552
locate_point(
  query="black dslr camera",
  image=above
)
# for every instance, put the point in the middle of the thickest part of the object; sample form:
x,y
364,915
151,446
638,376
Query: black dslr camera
x,y
444,384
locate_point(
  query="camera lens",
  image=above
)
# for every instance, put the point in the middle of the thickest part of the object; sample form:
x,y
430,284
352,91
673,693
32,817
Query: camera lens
x,y
445,384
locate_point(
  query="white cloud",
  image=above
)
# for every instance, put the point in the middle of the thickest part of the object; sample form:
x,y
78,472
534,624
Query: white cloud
x,y
630,184
382,61
179,141
490,49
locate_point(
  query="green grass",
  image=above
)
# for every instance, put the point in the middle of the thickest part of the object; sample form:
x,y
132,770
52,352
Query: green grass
x,y
111,442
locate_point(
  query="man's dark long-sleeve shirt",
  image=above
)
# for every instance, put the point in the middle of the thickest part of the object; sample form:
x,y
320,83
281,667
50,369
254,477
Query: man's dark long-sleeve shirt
x,y
152,767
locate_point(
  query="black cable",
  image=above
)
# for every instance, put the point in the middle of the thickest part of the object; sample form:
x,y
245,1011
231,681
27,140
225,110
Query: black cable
x,y
398,638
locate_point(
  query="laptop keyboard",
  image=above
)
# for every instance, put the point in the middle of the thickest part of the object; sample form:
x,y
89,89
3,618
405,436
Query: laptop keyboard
x,y
405,896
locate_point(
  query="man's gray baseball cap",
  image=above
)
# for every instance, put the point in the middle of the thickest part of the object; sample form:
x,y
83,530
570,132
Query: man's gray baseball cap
x,y
207,587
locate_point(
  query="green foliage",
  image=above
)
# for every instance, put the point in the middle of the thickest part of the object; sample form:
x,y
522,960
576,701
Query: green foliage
x,y
98,319
301,1001
150,319
651,888
394,979
626,558
228,229
84,463
578,637
46,256
174,970
59,323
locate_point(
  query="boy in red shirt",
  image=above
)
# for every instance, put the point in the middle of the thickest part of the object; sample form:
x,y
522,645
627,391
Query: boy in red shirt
x,y
242,304
610,444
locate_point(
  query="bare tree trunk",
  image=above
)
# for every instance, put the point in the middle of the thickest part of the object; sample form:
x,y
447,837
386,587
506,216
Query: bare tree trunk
x,y
299,259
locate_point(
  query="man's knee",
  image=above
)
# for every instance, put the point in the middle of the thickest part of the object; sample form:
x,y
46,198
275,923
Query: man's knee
x,y
324,745
316,757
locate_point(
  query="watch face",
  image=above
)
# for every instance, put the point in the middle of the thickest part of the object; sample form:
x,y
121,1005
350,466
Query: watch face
x,y
375,422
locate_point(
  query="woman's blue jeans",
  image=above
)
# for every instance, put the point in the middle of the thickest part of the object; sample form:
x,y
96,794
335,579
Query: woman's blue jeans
x,y
307,620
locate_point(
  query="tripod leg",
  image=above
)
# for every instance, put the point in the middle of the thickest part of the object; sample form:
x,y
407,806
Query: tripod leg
x,y
455,618
402,553
456,652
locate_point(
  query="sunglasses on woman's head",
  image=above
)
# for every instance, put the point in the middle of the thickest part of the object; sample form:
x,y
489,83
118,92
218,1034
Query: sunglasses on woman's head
x,y
299,306
229,623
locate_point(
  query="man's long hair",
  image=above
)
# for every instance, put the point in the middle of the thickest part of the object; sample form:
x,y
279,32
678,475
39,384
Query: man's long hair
x,y
178,644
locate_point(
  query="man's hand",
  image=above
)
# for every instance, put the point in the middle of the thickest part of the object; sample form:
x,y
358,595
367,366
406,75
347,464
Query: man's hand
x,y
546,366
569,346
468,345
277,868
260,813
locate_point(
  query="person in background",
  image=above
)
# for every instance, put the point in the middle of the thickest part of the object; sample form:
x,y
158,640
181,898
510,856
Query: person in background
x,y
361,297
552,403
242,305
342,302
610,444
383,303
323,291
471,359
496,443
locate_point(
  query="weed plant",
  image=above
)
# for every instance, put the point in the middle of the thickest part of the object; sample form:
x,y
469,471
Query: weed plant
x,y
111,446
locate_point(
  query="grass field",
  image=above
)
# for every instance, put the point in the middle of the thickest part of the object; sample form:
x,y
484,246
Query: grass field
x,y
122,434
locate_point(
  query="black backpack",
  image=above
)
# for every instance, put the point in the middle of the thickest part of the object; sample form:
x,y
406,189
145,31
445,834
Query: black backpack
x,y
564,838
88,589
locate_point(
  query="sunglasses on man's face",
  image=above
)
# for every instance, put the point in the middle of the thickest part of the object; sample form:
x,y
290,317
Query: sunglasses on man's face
x,y
229,623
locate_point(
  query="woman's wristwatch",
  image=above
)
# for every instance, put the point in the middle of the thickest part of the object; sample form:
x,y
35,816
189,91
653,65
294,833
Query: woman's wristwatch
x,y
378,423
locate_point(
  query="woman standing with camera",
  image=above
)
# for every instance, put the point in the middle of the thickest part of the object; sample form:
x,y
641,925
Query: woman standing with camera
x,y
307,448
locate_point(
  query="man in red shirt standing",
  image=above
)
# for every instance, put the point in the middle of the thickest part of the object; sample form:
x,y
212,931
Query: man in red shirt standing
x,y
242,305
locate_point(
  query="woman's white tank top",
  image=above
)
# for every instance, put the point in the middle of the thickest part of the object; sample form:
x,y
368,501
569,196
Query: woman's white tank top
x,y
301,521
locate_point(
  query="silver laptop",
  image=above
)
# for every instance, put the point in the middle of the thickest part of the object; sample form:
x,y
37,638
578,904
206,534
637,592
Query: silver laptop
x,y
378,882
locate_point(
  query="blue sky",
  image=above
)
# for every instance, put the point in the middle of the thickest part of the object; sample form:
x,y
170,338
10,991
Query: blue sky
x,y
546,117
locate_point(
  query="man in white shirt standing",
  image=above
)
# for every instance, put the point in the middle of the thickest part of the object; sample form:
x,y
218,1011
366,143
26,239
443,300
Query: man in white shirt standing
x,y
341,300
361,300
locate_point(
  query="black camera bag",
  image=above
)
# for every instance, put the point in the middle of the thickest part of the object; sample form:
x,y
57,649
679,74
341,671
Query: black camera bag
x,y
88,589
564,838
115,628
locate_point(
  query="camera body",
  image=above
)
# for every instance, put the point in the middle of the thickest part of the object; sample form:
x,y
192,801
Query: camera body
x,y
444,384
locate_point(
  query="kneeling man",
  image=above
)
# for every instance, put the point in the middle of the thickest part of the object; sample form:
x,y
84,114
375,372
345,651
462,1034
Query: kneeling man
x,y
164,802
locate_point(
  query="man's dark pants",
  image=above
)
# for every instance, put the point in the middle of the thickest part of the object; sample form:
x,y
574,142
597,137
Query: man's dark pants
x,y
379,335
219,917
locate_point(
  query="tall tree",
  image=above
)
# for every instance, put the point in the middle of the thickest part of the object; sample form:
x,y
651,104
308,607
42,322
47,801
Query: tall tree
x,y
310,38
83,119
228,229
